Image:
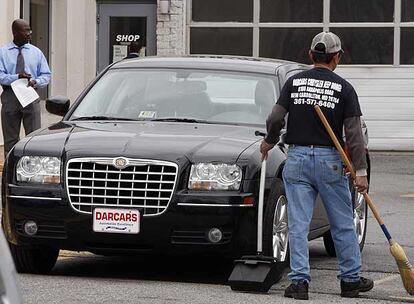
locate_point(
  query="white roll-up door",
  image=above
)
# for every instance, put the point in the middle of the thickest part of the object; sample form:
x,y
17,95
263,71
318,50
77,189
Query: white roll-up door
x,y
386,96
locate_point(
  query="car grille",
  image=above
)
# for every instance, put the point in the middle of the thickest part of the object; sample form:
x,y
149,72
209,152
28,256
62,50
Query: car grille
x,y
147,185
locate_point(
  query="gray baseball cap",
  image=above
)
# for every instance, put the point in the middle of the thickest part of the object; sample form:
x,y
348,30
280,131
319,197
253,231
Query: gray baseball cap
x,y
331,42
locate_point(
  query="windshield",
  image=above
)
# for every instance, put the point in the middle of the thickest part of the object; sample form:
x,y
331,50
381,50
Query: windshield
x,y
180,95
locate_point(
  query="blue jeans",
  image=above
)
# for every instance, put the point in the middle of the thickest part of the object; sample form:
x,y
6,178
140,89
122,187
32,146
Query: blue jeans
x,y
309,171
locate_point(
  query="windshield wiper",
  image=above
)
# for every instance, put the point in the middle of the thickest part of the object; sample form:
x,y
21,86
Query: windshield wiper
x,y
101,118
178,119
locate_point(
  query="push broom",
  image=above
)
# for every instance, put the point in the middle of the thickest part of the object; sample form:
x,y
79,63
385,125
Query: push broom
x,y
405,267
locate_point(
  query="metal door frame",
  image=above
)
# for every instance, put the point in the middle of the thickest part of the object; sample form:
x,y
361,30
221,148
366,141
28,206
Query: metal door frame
x,y
105,10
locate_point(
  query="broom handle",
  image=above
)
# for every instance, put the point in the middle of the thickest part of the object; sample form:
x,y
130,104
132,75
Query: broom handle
x,y
351,169
260,211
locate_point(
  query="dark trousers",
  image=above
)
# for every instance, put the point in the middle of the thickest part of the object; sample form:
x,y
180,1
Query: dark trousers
x,y
12,114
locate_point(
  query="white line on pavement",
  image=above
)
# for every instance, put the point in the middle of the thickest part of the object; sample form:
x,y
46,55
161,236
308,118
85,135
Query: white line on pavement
x,y
386,279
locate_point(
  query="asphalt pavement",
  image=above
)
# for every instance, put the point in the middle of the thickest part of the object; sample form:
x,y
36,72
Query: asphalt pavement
x,y
87,278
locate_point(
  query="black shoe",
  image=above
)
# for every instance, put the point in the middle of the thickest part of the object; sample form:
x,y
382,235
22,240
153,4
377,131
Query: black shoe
x,y
352,289
298,291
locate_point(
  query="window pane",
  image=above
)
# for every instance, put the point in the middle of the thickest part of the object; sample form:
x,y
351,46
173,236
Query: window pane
x,y
201,94
407,10
291,11
224,41
407,45
366,45
362,11
219,10
122,32
287,43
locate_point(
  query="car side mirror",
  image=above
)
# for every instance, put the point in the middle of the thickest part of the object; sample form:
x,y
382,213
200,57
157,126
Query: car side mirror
x,y
58,105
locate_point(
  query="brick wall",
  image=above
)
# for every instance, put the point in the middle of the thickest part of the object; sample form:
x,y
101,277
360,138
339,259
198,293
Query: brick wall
x,y
171,30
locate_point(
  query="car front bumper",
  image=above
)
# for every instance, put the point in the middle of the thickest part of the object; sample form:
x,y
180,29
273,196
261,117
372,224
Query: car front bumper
x,y
181,229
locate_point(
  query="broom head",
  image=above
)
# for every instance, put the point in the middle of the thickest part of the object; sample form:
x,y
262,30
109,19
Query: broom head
x,y
404,266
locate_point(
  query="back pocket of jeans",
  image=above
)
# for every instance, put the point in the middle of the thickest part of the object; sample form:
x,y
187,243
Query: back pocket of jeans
x,y
332,171
292,172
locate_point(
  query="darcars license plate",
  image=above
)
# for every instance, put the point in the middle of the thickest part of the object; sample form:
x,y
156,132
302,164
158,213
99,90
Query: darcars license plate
x,y
113,220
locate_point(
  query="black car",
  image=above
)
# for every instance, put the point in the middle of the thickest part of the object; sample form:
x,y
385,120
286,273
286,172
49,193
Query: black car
x,y
157,155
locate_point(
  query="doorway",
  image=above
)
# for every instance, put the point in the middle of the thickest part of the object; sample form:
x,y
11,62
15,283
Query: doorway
x,y
37,14
121,24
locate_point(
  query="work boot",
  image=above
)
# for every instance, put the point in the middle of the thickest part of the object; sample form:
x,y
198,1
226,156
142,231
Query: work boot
x,y
352,289
297,290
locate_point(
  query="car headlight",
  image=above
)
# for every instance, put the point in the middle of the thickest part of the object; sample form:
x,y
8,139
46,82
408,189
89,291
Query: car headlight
x,y
207,176
38,169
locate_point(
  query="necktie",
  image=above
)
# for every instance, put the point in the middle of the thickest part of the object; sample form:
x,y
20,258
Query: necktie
x,y
20,62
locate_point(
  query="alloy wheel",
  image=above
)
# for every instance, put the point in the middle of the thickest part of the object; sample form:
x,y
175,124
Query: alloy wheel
x,y
359,216
280,230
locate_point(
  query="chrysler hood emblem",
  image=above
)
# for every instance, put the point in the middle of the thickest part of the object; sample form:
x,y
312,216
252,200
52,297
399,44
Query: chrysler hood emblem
x,y
120,162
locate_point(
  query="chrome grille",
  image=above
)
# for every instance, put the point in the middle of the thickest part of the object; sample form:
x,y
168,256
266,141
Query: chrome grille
x,y
144,184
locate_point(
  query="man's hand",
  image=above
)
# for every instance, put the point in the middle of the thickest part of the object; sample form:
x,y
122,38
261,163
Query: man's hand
x,y
32,83
361,184
264,148
25,75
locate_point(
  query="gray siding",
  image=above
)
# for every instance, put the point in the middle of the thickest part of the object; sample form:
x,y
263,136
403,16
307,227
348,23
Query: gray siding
x,y
387,101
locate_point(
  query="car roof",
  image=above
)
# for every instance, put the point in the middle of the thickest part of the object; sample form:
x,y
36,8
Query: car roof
x,y
213,62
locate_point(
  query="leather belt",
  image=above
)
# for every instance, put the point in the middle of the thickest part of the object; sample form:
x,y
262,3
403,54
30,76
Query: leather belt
x,y
313,146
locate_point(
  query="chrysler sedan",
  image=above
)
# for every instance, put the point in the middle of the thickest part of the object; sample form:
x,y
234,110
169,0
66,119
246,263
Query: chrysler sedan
x,y
157,155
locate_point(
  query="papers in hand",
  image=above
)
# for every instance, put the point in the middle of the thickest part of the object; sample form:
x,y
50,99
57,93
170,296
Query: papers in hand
x,y
26,95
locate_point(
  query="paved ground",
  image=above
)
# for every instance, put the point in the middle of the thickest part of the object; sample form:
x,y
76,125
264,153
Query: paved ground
x,y
86,278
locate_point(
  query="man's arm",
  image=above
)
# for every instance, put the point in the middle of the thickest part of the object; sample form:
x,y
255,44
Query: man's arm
x,y
5,77
356,144
355,141
43,72
275,123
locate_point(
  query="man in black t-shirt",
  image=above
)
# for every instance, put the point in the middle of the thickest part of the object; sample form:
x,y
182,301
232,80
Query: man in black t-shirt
x,y
314,166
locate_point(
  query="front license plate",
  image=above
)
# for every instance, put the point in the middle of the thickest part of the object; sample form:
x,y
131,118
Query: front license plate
x,y
113,220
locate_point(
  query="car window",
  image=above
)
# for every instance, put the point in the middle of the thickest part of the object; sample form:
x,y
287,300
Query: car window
x,y
213,96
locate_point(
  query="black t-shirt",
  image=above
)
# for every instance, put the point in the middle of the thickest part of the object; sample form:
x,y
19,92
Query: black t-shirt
x,y
335,96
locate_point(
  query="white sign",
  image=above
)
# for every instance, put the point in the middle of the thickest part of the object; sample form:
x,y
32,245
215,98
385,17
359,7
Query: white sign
x,y
113,220
127,38
120,52
26,95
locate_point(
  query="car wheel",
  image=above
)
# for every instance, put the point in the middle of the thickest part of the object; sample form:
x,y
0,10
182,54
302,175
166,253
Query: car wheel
x,y
275,227
360,222
34,260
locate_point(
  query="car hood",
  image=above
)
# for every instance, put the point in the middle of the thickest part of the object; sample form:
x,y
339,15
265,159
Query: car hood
x,y
150,140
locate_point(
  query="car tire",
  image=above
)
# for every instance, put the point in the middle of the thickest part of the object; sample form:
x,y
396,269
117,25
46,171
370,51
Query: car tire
x,y
34,260
275,227
360,221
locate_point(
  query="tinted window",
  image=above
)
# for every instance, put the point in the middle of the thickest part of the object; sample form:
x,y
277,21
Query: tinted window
x,y
291,10
287,43
366,45
362,11
207,95
407,10
219,10
407,45
226,41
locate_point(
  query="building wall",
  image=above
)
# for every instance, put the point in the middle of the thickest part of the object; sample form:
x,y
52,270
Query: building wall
x,y
171,29
73,50
385,91
9,11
